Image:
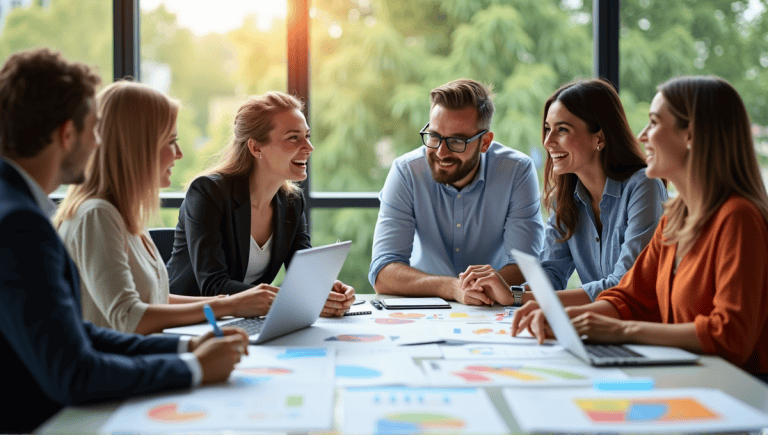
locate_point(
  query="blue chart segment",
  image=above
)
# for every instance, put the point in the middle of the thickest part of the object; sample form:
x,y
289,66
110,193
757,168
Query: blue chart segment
x,y
356,372
302,353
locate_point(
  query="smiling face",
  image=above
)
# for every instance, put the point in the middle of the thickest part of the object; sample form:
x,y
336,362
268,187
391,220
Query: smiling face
x,y
572,148
448,167
169,153
289,148
666,145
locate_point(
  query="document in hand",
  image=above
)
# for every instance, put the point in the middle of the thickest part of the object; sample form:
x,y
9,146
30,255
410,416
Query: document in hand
x,y
413,303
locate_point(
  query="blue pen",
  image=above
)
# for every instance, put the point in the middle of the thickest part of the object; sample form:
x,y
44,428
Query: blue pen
x,y
212,320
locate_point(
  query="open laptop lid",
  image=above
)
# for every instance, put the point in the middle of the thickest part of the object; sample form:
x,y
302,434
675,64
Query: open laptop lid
x,y
550,304
305,289
302,295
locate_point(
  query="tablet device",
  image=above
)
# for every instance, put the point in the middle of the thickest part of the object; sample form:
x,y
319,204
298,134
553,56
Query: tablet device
x,y
410,303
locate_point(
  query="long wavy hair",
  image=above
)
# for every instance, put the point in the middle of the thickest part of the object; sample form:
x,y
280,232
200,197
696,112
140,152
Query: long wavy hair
x,y
722,157
124,170
254,120
595,102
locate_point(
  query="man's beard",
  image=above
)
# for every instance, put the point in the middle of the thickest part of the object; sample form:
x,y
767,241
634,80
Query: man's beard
x,y
73,166
460,171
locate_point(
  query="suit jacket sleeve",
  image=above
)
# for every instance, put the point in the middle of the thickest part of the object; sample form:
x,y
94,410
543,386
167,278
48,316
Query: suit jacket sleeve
x,y
204,209
70,361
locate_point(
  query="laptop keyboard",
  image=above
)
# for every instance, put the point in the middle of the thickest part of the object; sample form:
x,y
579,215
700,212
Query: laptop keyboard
x,y
251,325
608,351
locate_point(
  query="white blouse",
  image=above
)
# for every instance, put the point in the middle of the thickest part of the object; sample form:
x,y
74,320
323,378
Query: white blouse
x,y
258,260
118,276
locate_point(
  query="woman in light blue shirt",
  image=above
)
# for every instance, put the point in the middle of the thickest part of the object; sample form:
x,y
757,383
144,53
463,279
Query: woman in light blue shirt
x,y
603,209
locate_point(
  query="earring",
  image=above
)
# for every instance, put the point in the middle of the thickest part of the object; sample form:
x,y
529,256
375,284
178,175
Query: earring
x,y
598,147
259,154
689,146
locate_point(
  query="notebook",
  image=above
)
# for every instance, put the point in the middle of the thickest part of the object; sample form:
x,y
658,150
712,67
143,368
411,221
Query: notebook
x,y
414,303
300,300
596,355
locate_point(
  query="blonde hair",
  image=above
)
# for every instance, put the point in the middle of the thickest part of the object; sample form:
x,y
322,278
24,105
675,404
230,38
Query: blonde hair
x,y
722,157
254,120
124,170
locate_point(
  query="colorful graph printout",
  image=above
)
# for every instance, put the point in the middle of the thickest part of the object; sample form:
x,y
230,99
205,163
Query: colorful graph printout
x,y
376,368
587,410
502,351
283,365
419,410
257,407
367,335
479,333
495,372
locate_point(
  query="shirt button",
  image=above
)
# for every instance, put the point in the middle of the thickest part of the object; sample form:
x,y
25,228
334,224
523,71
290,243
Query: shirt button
x,y
458,196
457,249
458,225
597,239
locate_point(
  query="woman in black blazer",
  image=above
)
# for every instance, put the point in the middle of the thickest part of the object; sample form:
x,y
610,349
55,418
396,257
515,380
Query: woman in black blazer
x,y
244,218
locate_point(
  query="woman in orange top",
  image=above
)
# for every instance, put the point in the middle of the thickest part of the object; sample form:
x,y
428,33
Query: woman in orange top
x,y
702,282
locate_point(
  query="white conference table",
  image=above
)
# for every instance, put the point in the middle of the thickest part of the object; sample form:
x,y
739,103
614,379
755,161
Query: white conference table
x,y
710,372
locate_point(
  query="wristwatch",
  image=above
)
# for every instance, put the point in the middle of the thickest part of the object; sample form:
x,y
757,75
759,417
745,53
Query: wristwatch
x,y
517,292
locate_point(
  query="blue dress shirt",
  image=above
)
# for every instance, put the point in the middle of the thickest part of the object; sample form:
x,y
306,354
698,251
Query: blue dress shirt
x,y
440,230
629,212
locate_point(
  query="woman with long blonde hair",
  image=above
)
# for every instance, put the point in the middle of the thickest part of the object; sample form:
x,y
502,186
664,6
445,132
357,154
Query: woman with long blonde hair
x,y
701,283
102,221
243,218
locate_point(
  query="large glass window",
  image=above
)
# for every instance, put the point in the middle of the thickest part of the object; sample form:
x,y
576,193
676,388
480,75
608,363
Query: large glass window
x,y
212,57
80,29
374,63
660,40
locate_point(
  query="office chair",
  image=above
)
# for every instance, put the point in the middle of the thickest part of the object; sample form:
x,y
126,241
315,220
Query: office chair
x,y
163,239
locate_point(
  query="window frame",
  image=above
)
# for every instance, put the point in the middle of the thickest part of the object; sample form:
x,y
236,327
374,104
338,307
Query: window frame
x,y
605,25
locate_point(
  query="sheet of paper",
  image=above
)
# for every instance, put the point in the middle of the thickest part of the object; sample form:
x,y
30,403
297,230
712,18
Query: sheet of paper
x,y
284,365
423,351
376,368
502,351
665,410
360,337
420,410
491,333
460,373
246,407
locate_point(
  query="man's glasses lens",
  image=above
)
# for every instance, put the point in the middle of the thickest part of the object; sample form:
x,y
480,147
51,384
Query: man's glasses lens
x,y
454,144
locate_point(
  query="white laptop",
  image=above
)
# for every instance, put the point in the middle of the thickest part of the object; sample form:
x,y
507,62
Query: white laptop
x,y
596,355
300,300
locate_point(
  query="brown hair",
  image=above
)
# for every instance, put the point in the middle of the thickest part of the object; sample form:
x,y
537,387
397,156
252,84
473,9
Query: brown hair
x,y
463,93
595,102
124,170
39,91
722,157
254,120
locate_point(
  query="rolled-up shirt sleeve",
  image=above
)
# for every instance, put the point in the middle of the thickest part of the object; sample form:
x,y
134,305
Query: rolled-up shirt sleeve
x,y
396,224
99,247
523,227
643,213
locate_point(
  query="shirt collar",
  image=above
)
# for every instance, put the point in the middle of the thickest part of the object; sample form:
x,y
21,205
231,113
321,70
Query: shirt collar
x,y
612,188
48,207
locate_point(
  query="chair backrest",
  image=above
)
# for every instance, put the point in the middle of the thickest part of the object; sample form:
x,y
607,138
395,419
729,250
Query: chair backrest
x,y
163,238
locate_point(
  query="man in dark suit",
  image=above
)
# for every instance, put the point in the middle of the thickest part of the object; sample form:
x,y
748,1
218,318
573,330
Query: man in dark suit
x,y
50,356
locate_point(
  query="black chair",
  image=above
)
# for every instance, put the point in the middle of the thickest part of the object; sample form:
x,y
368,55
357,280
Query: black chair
x,y
163,238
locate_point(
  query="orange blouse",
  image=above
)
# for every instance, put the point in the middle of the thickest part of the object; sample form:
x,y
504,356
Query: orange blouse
x,y
721,285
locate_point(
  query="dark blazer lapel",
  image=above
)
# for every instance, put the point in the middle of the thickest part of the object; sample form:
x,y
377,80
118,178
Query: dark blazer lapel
x,y
279,242
242,204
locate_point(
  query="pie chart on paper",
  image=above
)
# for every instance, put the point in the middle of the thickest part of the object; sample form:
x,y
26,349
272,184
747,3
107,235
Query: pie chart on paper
x,y
172,413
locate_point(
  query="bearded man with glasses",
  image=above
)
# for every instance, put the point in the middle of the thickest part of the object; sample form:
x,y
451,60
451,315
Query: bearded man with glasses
x,y
460,200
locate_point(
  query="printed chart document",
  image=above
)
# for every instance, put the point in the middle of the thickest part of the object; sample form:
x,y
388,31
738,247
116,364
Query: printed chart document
x,y
585,410
243,407
491,333
297,365
513,373
502,351
377,368
420,410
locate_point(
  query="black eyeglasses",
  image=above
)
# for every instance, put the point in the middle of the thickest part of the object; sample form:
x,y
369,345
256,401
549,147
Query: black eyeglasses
x,y
455,144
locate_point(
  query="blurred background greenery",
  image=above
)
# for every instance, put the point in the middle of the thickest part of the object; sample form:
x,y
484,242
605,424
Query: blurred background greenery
x,y
373,63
